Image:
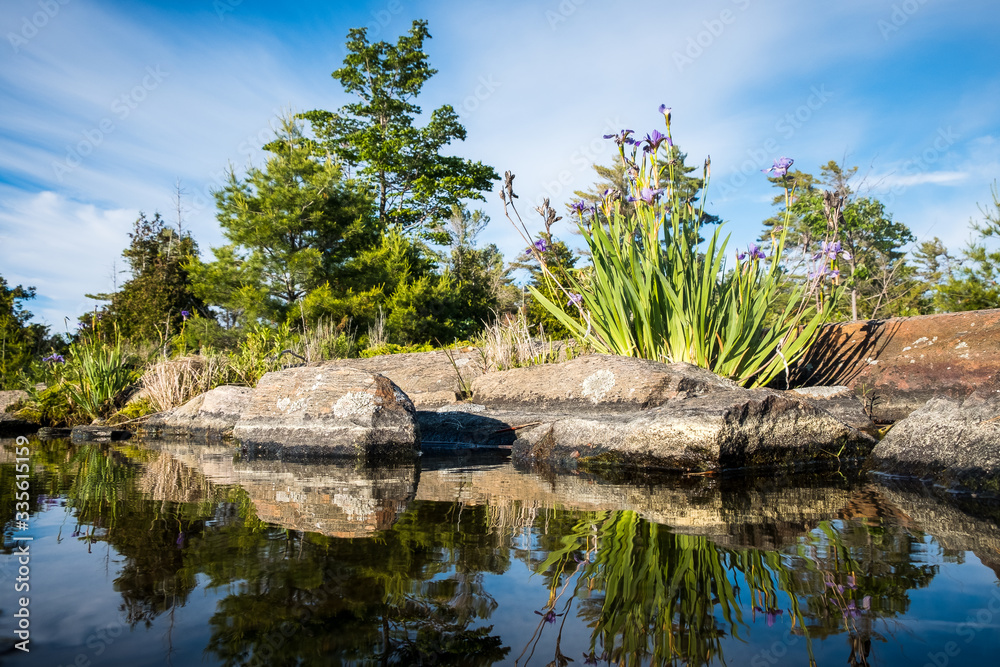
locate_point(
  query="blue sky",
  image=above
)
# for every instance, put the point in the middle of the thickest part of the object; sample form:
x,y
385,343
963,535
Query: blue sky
x,y
104,106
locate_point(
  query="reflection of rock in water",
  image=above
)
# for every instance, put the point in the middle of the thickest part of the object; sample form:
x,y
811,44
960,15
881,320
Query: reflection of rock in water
x,y
732,513
341,500
338,499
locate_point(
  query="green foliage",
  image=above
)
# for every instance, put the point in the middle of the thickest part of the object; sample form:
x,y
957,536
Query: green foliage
x,y
974,284
49,407
874,272
148,306
22,343
654,293
392,348
291,226
260,352
99,369
415,186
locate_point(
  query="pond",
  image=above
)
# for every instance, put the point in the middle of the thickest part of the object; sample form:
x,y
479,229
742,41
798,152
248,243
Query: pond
x,y
179,553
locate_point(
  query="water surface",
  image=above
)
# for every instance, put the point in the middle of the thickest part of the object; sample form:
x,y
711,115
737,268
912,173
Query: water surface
x,y
154,553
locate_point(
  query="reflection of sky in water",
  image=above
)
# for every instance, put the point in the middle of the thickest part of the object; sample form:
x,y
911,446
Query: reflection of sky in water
x,y
438,559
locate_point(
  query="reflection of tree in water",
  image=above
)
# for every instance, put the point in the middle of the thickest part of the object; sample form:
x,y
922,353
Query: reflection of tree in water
x,y
412,596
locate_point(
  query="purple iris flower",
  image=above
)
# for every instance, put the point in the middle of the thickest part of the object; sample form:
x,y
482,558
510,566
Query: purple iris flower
x,y
653,141
753,252
185,314
540,245
622,137
579,206
770,614
575,300
55,359
648,195
665,110
780,167
549,617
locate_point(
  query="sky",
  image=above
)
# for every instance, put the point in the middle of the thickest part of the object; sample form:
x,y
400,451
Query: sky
x,y
107,107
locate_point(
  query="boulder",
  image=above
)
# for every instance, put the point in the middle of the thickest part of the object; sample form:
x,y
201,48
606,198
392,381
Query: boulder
x,y
604,410
950,441
897,365
614,383
10,425
430,379
329,411
214,412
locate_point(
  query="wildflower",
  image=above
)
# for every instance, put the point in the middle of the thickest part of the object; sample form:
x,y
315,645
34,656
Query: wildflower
x,y
185,314
770,614
575,300
753,252
538,246
622,137
653,141
831,251
579,206
55,359
665,110
780,167
648,195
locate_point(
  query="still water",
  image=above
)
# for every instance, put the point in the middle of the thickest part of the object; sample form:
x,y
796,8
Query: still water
x,y
176,553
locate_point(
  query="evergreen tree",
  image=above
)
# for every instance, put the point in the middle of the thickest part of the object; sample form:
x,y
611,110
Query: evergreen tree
x,y
21,341
150,306
973,284
414,185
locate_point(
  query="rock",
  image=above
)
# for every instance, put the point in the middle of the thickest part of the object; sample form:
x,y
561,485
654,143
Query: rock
x,y
614,383
604,410
329,411
953,442
428,378
98,433
733,429
10,425
10,398
214,412
842,403
54,432
898,364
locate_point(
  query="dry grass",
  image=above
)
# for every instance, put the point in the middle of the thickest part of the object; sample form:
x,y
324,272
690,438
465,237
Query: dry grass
x,y
172,382
508,343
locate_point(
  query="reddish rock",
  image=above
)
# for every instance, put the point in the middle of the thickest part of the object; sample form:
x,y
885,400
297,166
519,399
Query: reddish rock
x,y
897,365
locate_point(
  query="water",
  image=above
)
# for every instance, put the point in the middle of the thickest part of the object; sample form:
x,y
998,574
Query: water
x,y
175,553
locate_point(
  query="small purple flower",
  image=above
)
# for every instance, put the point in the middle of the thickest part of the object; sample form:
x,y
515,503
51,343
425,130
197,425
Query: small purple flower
x,y
549,617
653,141
575,300
753,252
538,246
780,167
579,206
55,359
622,137
852,582
665,110
648,195
185,314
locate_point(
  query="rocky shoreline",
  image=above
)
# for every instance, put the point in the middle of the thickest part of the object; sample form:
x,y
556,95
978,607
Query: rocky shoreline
x,y
607,412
